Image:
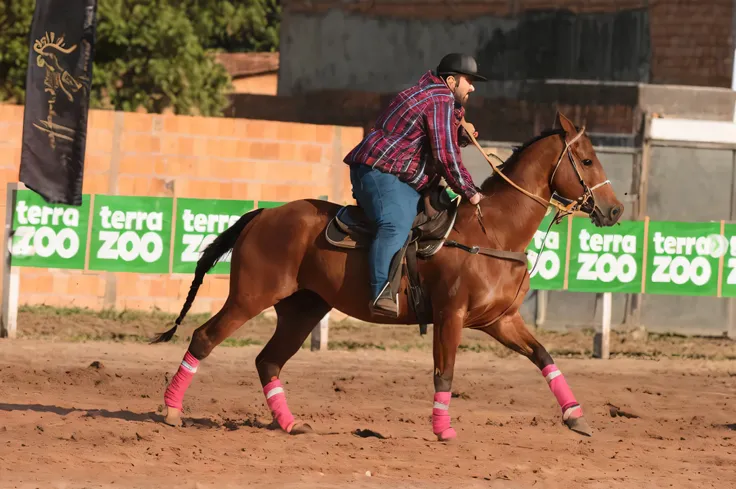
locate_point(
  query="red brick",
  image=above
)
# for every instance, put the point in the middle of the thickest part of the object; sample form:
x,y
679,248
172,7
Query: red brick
x,y
125,185
137,122
157,188
193,189
159,165
200,147
170,145
227,128
96,163
248,191
180,166
279,193
11,113
141,186
131,164
226,190
262,129
132,142
264,151
95,184
310,153
174,285
279,172
157,287
287,152
226,148
325,134
185,146
243,149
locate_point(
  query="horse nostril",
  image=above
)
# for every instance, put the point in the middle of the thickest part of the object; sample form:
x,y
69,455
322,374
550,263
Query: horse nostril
x,y
616,211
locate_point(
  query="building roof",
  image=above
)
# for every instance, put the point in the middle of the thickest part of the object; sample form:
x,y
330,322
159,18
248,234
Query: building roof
x,y
249,64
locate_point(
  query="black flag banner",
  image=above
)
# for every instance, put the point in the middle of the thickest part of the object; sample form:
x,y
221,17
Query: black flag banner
x,y
57,99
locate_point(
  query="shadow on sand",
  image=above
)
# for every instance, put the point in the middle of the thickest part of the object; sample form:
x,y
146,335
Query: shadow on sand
x,y
104,413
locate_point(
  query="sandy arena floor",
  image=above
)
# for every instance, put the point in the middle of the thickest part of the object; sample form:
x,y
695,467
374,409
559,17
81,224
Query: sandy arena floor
x,y
66,423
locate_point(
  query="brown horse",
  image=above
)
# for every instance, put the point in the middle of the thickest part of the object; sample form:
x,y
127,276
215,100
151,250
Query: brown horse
x,y
281,258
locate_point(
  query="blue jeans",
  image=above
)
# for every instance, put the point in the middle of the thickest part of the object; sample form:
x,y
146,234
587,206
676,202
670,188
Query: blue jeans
x,y
392,205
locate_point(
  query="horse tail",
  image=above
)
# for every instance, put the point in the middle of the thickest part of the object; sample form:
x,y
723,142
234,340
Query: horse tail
x,y
221,245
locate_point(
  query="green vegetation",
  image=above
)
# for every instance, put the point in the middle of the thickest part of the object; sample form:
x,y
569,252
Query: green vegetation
x,y
152,54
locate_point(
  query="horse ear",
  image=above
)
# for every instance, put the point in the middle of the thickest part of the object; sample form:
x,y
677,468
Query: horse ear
x,y
566,124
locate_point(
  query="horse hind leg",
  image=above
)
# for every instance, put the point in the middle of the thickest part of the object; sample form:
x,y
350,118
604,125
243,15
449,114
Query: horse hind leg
x,y
204,339
513,333
297,315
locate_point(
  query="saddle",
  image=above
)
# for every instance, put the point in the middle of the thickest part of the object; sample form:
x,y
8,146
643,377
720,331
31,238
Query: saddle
x,y
351,229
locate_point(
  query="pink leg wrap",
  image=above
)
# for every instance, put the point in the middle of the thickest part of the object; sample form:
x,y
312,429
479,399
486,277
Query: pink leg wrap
x,y
441,416
276,400
563,393
179,384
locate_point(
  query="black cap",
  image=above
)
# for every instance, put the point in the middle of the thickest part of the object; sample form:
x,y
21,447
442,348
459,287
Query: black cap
x,y
460,64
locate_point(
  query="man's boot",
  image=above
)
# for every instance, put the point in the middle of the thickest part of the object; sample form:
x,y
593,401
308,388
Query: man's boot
x,y
385,305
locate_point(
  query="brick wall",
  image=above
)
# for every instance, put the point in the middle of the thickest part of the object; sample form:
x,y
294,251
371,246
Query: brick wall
x,y
691,40
195,157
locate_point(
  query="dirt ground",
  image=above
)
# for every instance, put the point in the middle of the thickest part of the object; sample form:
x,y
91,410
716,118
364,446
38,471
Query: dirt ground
x,y
347,334
68,422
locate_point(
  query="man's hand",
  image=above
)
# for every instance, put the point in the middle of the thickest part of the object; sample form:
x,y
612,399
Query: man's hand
x,y
464,138
475,198
472,129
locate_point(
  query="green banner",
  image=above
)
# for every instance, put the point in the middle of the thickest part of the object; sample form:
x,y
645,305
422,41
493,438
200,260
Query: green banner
x,y
198,223
606,259
549,273
683,258
131,234
134,234
49,235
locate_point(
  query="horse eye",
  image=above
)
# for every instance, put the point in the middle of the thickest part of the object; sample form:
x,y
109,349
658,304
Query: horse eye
x,y
587,162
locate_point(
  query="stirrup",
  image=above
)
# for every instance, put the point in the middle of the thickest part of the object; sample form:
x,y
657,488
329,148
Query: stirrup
x,y
387,297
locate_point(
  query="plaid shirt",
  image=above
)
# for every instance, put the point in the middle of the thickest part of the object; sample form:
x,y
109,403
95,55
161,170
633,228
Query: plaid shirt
x,y
420,121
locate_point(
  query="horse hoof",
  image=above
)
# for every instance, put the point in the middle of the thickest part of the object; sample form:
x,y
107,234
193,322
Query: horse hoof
x,y
579,425
300,428
447,436
173,417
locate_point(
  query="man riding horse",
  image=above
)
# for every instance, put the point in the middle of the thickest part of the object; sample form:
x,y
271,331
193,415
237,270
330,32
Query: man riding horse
x,y
477,283
393,163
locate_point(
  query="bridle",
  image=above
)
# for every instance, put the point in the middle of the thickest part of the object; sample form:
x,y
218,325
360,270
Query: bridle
x,y
563,205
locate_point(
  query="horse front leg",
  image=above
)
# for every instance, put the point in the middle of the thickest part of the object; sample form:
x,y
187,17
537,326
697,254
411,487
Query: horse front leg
x,y
513,333
447,335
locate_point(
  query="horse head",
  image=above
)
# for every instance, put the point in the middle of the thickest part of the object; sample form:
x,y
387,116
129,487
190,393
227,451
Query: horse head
x,y
578,180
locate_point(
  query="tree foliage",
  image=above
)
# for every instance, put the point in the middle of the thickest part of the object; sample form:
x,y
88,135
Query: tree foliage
x,y
155,54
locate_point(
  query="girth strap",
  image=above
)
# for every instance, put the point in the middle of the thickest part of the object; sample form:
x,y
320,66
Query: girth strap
x,y
417,298
503,255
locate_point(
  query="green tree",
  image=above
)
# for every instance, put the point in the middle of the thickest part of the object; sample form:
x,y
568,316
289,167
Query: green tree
x,y
15,24
251,25
155,54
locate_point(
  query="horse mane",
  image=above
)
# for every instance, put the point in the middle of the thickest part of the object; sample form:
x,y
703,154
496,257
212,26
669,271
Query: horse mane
x,y
513,160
